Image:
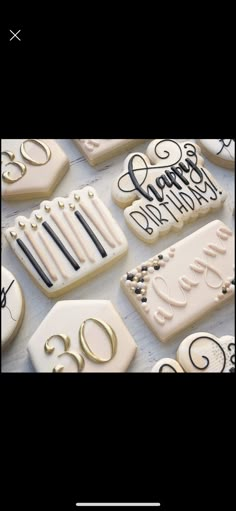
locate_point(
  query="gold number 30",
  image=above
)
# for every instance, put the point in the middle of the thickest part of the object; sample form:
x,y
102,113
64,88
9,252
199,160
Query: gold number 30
x,y
6,175
79,359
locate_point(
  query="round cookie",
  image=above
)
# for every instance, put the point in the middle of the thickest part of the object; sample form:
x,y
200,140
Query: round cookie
x,y
167,365
219,151
205,353
12,306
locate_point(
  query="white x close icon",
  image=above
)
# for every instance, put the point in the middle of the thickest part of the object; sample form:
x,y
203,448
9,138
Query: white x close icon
x,y
15,35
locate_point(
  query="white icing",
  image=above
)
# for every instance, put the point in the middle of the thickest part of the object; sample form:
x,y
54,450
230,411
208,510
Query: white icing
x,y
66,318
51,252
167,365
204,352
38,181
12,306
182,275
159,195
76,241
79,235
67,234
97,222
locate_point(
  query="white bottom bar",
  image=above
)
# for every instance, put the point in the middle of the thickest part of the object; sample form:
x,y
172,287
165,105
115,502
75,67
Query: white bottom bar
x,y
118,504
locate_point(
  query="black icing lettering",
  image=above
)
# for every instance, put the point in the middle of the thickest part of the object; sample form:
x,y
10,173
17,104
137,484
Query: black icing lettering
x,y
206,186
165,204
137,185
4,294
195,172
189,201
208,179
181,206
191,150
146,227
150,208
184,167
155,192
164,180
149,216
197,195
224,144
179,173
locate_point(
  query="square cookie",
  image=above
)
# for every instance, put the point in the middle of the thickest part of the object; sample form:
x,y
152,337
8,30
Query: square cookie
x,y
67,240
31,168
82,336
102,149
177,287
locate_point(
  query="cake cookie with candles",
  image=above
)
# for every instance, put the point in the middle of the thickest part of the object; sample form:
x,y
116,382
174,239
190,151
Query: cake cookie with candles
x,y
99,150
82,336
67,240
164,188
12,306
220,151
31,168
178,286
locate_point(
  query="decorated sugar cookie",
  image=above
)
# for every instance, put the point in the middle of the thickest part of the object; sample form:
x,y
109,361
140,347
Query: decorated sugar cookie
x,y
31,168
12,306
184,282
167,365
164,188
99,150
67,240
82,336
205,353
219,151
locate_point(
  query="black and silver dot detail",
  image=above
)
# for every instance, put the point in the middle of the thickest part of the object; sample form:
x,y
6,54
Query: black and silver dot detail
x,y
130,276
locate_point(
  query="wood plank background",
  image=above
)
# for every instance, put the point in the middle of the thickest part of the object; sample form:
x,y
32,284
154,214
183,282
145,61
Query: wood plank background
x,y
106,285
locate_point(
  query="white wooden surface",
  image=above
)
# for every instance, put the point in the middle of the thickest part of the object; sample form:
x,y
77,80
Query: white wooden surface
x,y
106,286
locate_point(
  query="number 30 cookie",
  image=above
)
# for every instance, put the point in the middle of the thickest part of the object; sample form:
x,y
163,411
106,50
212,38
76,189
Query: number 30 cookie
x,y
82,336
31,168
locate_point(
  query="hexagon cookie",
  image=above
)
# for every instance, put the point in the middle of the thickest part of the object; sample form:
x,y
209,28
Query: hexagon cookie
x,y
82,336
67,240
98,150
31,168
